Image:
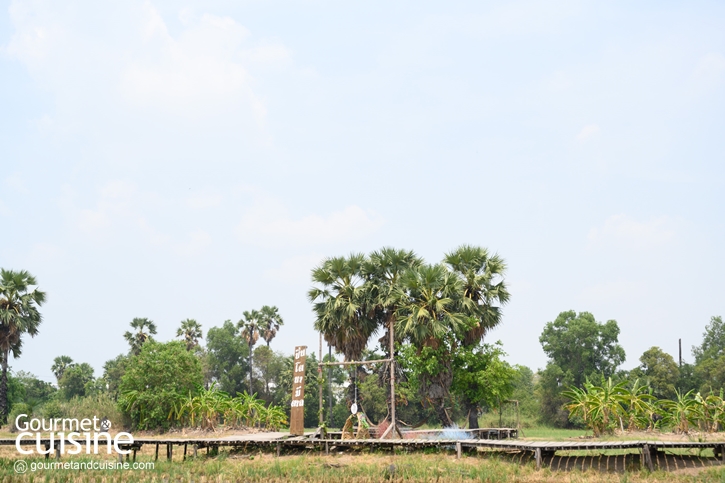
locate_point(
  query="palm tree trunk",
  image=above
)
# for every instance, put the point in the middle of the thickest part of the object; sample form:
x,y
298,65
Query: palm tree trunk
x,y
472,413
4,389
251,387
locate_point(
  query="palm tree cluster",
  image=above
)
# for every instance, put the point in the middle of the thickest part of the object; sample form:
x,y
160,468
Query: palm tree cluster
x,y
610,406
264,322
19,315
212,409
435,308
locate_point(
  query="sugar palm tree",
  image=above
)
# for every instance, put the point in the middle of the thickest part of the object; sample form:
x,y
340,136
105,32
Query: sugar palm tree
x,y
144,328
338,299
19,315
383,271
429,319
249,331
60,364
484,293
269,323
191,332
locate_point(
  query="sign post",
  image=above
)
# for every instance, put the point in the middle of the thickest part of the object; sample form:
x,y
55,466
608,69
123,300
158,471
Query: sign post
x,y
297,419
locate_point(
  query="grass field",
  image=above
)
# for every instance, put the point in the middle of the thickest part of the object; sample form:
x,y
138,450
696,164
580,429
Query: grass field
x,y
364,467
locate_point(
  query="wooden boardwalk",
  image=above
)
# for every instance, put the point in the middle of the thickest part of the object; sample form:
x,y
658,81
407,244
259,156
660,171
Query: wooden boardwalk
x,y
650,453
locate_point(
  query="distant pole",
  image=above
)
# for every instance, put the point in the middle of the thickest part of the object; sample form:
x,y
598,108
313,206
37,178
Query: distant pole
x,y
680,352
329,386
319,383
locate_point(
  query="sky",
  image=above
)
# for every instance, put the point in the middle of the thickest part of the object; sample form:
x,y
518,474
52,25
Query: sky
x,y
196,159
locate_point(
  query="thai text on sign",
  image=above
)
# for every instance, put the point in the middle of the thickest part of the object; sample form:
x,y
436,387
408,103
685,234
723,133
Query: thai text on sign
x,y
297,419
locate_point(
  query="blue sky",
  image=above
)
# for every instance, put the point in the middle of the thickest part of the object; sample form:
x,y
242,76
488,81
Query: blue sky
x,y
197,159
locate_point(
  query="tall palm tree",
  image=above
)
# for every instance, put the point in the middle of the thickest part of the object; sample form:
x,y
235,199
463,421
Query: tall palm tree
x,y
484,292
19,315
249,330
60,364
338,299
429,319
269,323
190,330
145,328
383,271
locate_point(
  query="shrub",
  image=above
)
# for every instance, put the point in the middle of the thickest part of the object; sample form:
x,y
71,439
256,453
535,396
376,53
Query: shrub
x,y
155,380
18,409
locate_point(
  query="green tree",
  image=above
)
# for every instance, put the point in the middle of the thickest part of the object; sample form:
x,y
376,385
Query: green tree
x,y
579,348
659,370
269,366
430,321
60,364
227,357
482,378
713,341
19,315
524,392
74,380
249,331
338,299
269,323
34,391
113,371
484,293
155,380
383,271
709,368
190,331
144,330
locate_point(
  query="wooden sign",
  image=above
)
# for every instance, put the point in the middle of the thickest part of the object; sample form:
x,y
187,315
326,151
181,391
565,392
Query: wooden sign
x,y
297,419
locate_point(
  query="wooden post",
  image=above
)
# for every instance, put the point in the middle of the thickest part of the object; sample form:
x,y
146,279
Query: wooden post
x,y
156,458
184,459
57,452
47,451
279,448
120,458
196,446
458,450
170,452
319,383
537,455
393,423
647,456
134,455
722,453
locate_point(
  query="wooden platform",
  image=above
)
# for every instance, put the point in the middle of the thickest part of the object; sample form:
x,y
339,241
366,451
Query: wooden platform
x,y
650,452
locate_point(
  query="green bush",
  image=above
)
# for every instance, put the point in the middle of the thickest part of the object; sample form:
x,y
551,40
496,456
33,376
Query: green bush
x,y
18,408
156,380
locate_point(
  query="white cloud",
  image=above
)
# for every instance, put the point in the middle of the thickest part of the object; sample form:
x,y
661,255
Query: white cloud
x,y
590,131
294,270
268,223
622,230
203,68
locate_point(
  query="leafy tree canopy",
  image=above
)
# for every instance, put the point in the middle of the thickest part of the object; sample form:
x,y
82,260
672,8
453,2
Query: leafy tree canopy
x,y
659,370
156,379
227,358
713,341
581,347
